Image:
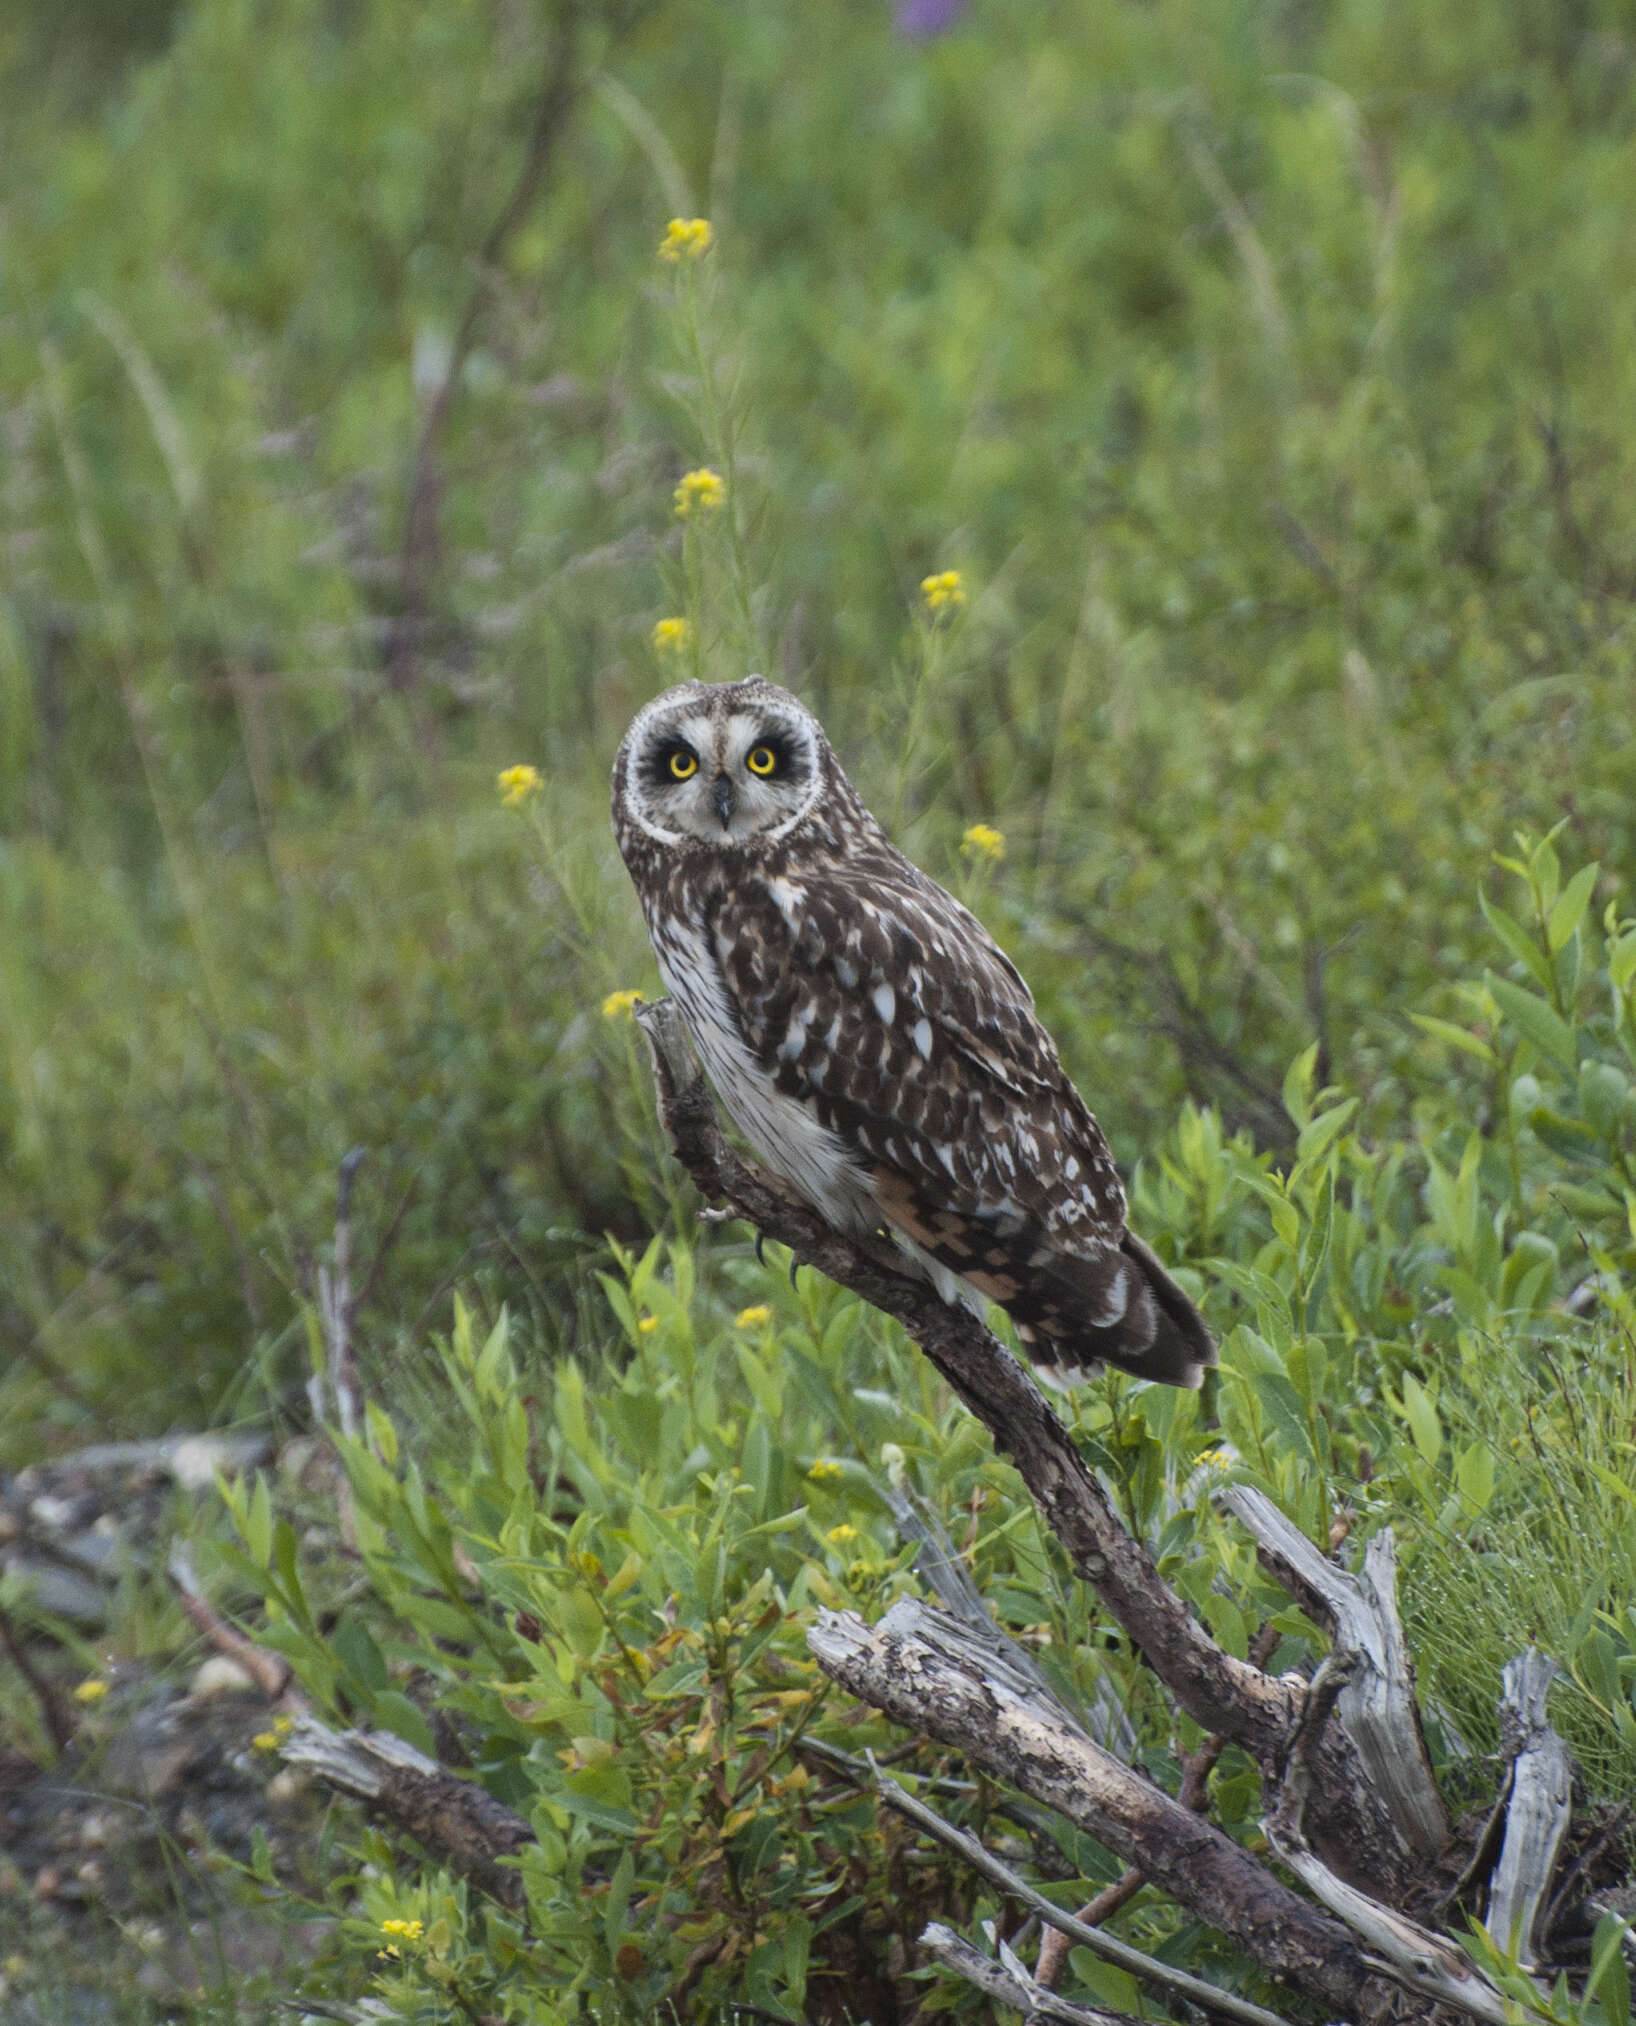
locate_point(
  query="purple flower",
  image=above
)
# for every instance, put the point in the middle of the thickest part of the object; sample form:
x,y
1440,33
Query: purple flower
x,y
920,20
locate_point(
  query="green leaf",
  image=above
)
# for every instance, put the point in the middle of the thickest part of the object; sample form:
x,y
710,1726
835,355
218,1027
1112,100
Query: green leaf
x,y
1534,1020
392,1709
1609,1979
1456,1037
1419,1409
1516,939
1282,1406
1474,1473
1321,1133
1569,908
765,1386
1298,1085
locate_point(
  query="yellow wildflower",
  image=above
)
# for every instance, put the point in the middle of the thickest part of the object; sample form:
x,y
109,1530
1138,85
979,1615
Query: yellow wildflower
x,y
91,1691
982,840
752,1318
704,489
843,1533
1215,1459
824,1469
618,1004
519,784
685,239
647,1324
405,1930
943,590
672,636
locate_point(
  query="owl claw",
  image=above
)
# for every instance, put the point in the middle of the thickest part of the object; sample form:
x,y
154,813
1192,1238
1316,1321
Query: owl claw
x,y
761,1248
794,1263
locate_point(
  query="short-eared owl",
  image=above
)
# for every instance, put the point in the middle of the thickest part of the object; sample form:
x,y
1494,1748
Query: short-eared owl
x,y
869,1038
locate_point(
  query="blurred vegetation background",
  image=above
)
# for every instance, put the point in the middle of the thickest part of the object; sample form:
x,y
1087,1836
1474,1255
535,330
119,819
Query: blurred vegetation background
x,y
1264,366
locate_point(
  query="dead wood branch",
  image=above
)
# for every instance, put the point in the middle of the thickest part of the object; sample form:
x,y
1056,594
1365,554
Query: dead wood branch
x,y
270,1672
1226,1695
1194,1793
923,1669
1009,1984
1406,1952
1539,1804
457,1820
1378,1709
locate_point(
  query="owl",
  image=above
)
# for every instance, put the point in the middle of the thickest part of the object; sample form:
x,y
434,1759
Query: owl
x,y
872,1042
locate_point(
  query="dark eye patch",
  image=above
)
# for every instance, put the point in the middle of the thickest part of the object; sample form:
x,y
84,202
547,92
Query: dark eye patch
x,y
790,758
666,764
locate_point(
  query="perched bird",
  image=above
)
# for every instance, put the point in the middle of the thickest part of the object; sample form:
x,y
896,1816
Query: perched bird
x,y
872,1042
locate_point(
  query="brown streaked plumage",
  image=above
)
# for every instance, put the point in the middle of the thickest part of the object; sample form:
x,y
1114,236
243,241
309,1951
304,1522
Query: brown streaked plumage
x,y
871,1040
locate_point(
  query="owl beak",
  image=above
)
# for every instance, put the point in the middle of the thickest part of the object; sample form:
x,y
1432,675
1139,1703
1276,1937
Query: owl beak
x,y
721,800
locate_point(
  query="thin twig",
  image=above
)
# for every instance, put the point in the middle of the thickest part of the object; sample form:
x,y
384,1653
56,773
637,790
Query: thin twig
x,y
270,1672
1008,1983
1112,1950
54,1710
1194,1793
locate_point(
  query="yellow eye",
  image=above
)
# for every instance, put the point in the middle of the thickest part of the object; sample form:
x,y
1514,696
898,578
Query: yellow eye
x,y
761,760
683,764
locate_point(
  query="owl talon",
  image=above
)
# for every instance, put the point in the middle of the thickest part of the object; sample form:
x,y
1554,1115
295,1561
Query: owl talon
x,y
761,1248
794,1263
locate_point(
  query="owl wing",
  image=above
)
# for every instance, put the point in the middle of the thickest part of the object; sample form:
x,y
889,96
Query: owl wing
x,y
877,1001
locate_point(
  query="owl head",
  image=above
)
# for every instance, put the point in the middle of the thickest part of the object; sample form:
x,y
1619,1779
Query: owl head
x,y
720,766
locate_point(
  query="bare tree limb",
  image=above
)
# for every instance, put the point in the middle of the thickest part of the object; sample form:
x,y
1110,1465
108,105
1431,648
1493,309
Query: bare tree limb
x,y
459,1821
335,1312
54,1711
923,1669
270,1672
1405,1951
1022,1993
1378,1708
1539,1806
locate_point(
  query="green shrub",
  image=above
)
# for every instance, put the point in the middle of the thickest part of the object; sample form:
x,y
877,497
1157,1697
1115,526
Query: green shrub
x,y
596,1590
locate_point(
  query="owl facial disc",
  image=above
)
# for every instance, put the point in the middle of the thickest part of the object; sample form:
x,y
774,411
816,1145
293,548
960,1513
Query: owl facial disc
x,y
720,764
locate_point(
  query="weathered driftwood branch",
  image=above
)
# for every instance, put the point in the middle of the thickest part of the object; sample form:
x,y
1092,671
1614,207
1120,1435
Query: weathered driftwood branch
x,y
459,1821
1378,1709
1226,1695
1180,1982
1008,1983
925,1670
1408,1953
1539,1803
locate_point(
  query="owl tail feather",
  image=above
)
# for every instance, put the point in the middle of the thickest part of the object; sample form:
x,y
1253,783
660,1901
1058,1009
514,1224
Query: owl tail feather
x,y
1161,1335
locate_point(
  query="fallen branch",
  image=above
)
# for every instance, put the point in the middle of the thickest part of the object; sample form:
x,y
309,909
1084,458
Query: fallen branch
x,y
1148,1968
1193,1793
1225,1695
1009,1984
1378,1709
1408,1953
460,1822
1539,1803
923,1669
